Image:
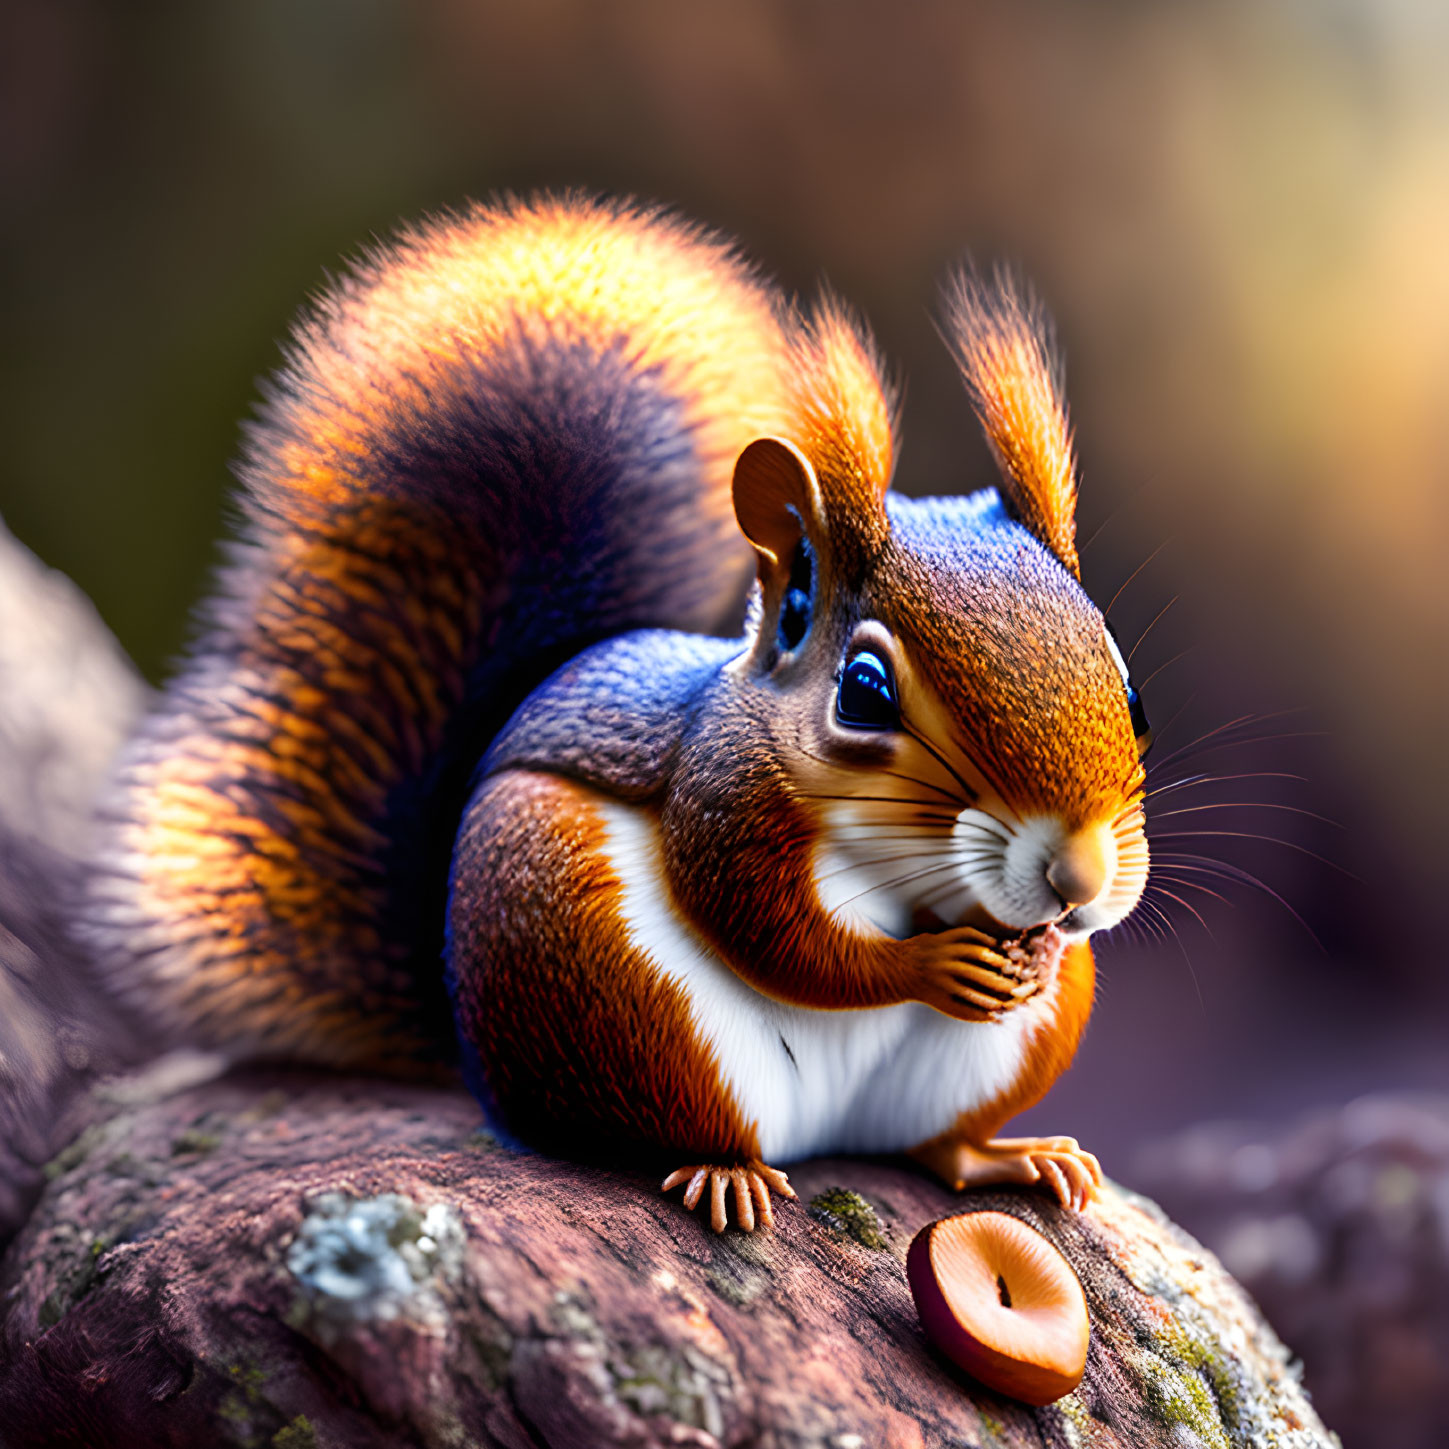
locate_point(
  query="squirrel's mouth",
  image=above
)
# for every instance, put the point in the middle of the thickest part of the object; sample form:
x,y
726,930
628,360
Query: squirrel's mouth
x,y
1013,939
1009,937
1035,951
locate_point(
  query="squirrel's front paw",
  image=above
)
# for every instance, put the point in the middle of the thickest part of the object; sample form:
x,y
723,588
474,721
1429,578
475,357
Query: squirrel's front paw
x,y
751,1183
965,973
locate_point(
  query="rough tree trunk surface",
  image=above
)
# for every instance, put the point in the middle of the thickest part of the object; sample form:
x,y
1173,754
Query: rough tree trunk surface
x,y
292,1260
68,697
1339,1226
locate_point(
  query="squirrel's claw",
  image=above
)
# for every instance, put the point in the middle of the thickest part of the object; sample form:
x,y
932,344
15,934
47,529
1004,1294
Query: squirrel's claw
x,y
695,1177
751,1184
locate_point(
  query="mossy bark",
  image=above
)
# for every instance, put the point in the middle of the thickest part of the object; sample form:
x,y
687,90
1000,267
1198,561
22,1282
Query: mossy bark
x,y
289,1259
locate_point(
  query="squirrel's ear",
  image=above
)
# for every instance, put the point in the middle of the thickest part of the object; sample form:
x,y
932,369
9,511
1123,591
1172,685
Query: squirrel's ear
x,y
777,501
1003,341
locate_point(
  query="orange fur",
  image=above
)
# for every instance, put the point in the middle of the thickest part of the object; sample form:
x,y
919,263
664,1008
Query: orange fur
x,y
1002,339
281,894
677,300
587,1046
1042,712
848,413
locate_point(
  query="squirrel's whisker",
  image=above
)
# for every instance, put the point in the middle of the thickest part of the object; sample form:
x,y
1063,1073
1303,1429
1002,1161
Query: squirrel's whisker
x,y
1247,805
1186,780
914,856
1237,723
1243,721
1143,635
1227,871
1123,588
1172,719
926,822
1251,835
1148,481
1172,879
893,774
923,805
1258,740
928,836
1187,961
1210,779
1154,927
899,880
936,892
1140,929
970,794
1188,753
911,855
1187,906
1001,836
1152,914
1001,794
916,780
1167,664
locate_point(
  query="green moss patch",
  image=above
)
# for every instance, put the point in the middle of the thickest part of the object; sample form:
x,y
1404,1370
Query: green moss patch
x,y
843,1211
299,1434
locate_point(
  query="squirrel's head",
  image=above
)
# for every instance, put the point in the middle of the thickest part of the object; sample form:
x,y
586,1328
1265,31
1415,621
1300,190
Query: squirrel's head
x,y
945,697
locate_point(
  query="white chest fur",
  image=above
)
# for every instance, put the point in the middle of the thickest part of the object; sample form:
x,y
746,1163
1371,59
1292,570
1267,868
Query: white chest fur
x,y
877,1080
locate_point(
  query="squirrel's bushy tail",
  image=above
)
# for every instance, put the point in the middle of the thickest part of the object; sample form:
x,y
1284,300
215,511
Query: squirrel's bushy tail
x,y
502,436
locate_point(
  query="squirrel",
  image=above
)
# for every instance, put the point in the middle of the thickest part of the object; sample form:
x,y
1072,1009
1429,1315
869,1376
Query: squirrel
x,y
471,727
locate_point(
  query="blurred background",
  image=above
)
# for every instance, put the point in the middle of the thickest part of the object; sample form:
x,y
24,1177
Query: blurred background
x,y
1237,211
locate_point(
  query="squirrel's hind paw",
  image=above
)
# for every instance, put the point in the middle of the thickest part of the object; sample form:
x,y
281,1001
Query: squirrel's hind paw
x,y
751,1183
1060,1164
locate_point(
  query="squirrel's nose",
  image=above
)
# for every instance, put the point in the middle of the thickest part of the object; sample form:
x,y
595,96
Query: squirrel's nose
x,y
1078,869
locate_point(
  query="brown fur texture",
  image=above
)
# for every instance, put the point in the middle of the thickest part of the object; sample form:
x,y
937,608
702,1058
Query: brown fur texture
x,y
502,436
588,1049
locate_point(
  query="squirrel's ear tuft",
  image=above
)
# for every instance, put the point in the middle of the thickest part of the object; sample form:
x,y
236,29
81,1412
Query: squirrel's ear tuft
x,y
847,403
777,501
1003,339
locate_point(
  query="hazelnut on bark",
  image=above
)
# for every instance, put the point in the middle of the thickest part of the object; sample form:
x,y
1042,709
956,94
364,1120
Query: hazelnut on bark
x,y
999,1300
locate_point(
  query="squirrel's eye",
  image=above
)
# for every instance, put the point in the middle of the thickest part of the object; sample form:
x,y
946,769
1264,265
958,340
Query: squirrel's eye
x,y
1141,727
795,606
867,696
